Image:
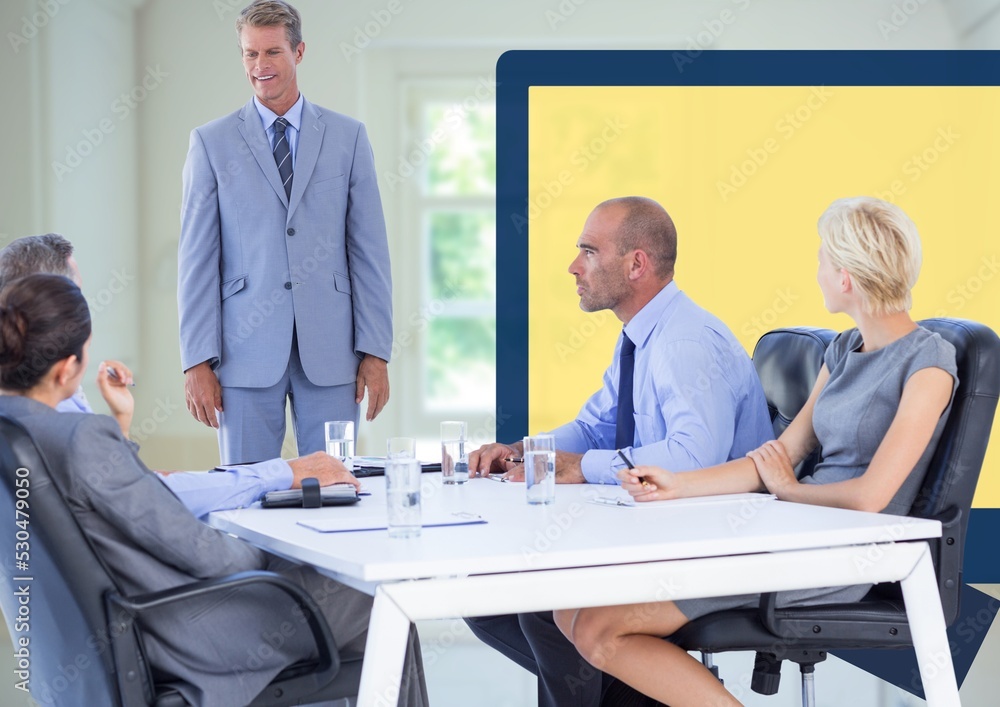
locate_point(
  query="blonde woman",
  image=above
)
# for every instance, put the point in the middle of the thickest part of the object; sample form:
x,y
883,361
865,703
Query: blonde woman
x,y
876,411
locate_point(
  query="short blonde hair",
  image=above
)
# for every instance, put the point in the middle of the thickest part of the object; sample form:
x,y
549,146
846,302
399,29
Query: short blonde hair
x,y
271,13
878,245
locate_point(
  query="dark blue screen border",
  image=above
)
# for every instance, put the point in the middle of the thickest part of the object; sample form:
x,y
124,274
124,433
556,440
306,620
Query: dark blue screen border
x,y
518,70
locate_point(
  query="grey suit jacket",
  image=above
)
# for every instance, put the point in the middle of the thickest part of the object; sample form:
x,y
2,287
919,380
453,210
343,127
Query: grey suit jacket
x,y
252,263
222,646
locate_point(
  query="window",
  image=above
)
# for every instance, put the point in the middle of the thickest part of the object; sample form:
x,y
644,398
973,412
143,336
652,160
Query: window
x,y
449,155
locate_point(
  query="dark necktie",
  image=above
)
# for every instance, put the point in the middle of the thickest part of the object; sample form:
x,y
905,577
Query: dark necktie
x,y
625,423
283,155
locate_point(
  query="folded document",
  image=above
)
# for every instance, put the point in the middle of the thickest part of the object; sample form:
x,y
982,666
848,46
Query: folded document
x,y
349,523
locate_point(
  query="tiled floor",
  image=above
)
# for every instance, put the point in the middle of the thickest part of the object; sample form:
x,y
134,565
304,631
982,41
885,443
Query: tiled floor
x,y
462,672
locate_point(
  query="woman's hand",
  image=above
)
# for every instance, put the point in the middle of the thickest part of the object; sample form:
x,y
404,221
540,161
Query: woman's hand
x,y
650,483
116,393
774,467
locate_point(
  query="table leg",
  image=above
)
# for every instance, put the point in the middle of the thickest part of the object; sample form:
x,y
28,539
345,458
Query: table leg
x,y
381,673
923,611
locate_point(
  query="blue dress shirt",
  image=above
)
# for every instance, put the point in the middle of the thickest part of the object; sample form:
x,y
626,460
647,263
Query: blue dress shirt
x,y
696,396
294,118
202,492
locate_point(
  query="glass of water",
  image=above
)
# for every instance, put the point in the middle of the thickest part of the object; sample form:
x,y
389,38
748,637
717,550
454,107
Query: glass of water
x,y
402,484
454,456
540,468
401,447
340,440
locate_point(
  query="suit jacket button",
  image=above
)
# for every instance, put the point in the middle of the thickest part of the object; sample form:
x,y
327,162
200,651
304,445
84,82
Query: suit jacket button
x,y
290,231
288,285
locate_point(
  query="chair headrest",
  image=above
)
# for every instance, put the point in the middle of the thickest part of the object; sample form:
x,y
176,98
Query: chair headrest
x,y
788,362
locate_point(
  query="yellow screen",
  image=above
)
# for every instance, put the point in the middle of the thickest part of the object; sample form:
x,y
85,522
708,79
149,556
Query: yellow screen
x,y
745,172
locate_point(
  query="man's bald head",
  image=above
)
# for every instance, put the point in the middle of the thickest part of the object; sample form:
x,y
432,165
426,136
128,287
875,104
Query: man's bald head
x,y
645,226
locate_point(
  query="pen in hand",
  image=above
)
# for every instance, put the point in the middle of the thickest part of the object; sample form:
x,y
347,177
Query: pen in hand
x,y
514,460
631,466
113,373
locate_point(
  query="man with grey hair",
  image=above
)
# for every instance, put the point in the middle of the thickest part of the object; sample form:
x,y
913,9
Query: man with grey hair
x,y
53,254
284,289
47,253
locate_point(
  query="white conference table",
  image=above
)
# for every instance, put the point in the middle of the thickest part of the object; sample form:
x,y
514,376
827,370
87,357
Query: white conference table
x,y
577,553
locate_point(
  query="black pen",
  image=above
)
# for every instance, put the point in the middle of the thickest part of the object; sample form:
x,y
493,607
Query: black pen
x,y
515,460
112,373
630,465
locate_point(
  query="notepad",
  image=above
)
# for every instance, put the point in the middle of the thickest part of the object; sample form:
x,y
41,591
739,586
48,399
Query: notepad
x,y
349,524
623,500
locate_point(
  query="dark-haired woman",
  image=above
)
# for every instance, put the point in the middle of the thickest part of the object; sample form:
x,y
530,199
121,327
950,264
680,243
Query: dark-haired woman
x,y
224,652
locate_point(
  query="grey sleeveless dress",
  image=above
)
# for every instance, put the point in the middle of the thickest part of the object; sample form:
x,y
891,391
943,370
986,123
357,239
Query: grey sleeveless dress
x,y
851,417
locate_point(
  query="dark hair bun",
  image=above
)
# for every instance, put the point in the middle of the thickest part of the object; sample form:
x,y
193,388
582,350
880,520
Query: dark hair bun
x,y
43,319
13,329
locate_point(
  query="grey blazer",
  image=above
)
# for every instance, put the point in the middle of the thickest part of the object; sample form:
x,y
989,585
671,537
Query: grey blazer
x,y
252,263
149,541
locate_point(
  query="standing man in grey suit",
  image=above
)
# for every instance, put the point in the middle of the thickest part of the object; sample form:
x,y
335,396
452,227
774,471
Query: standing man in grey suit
x,y
284,287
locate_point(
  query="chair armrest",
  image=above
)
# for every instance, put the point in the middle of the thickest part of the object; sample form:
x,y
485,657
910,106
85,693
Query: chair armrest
x,y
123,612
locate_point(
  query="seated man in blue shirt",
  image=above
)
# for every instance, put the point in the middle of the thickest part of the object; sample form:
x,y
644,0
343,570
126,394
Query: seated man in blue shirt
x,y
693,398
202,493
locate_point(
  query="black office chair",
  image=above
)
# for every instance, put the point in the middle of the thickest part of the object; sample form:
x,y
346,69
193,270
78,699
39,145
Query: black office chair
x,y
84,638
787,361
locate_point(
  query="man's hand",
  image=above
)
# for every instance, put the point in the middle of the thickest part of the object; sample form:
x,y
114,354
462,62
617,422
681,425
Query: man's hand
x,y
321,466
491,458
116,393
373,373
203,394
568,470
